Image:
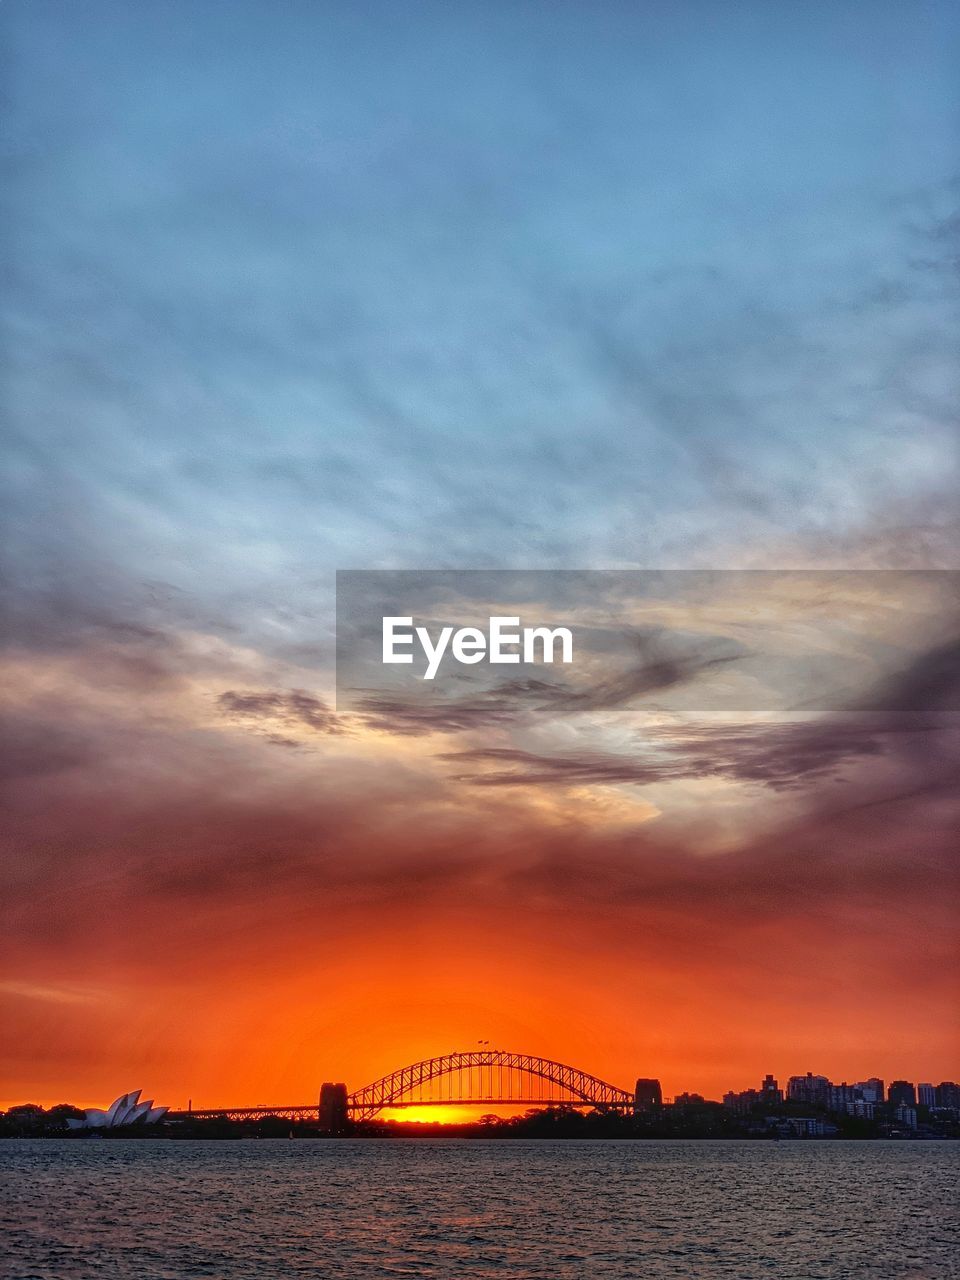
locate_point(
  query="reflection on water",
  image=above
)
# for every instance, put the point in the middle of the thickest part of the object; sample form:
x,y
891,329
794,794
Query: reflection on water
x,y
154,1210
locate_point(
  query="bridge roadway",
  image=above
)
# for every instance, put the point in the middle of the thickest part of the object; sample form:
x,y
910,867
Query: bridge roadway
x,y
311,1111
476,1078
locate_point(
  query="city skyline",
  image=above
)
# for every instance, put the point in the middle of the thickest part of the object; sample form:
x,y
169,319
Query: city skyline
x,y
799,1086
492,1091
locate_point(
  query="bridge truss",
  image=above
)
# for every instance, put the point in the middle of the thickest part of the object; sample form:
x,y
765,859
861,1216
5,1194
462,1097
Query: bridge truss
x,y
492,1077
482,1077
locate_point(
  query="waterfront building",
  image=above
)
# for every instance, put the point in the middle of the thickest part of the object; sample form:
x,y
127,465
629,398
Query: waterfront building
x,y
809,1088
907,1116
125,1110
902,1094
871,1090
743,1101
841,1097
770,1090
809,1127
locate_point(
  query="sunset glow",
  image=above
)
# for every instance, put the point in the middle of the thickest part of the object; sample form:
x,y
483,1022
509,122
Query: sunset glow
x,y
635,326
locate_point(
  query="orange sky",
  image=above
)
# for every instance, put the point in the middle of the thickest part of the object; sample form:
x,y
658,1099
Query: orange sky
x,y
619,995
198,910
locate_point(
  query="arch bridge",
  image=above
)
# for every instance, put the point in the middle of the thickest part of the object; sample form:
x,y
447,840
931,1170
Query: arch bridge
x,y
492,1077
479,1077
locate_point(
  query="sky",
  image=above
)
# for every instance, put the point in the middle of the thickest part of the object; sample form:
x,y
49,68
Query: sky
x,y
304,288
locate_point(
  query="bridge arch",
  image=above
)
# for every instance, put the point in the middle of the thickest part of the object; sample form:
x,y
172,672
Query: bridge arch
x,y
558,1083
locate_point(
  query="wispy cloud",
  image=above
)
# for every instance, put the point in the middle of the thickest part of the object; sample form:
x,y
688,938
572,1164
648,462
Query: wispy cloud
x,y
27,990
664,664
780,757
295,708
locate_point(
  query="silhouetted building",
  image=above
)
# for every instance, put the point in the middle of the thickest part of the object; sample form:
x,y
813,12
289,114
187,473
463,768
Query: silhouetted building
x,y
809,1127
743,1101
907,1116
770,1090
841,1097
948,1094
871,1090
333,1107
902,1094
926,1095
809,1088
769,1094
689,1100
646,1095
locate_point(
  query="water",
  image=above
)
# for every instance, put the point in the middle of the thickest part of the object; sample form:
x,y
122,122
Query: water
x,y
154,1210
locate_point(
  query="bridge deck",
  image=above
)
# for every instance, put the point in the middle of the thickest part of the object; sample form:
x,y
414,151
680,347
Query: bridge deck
x,y
485,1078
311,1111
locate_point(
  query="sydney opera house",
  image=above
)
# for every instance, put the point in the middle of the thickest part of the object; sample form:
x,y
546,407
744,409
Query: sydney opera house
x,y
128,1109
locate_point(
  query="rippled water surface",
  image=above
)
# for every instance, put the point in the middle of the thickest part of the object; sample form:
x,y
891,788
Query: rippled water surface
x,y
558,1210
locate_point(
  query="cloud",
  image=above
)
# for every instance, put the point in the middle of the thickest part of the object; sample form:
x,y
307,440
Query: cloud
x,y
423,715
294,708
781,756
666,662
524,768
31,748
931,683
904,718
29,990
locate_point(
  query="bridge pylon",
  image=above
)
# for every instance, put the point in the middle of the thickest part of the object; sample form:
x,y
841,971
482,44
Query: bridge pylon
x,y
647,1095
332,1112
